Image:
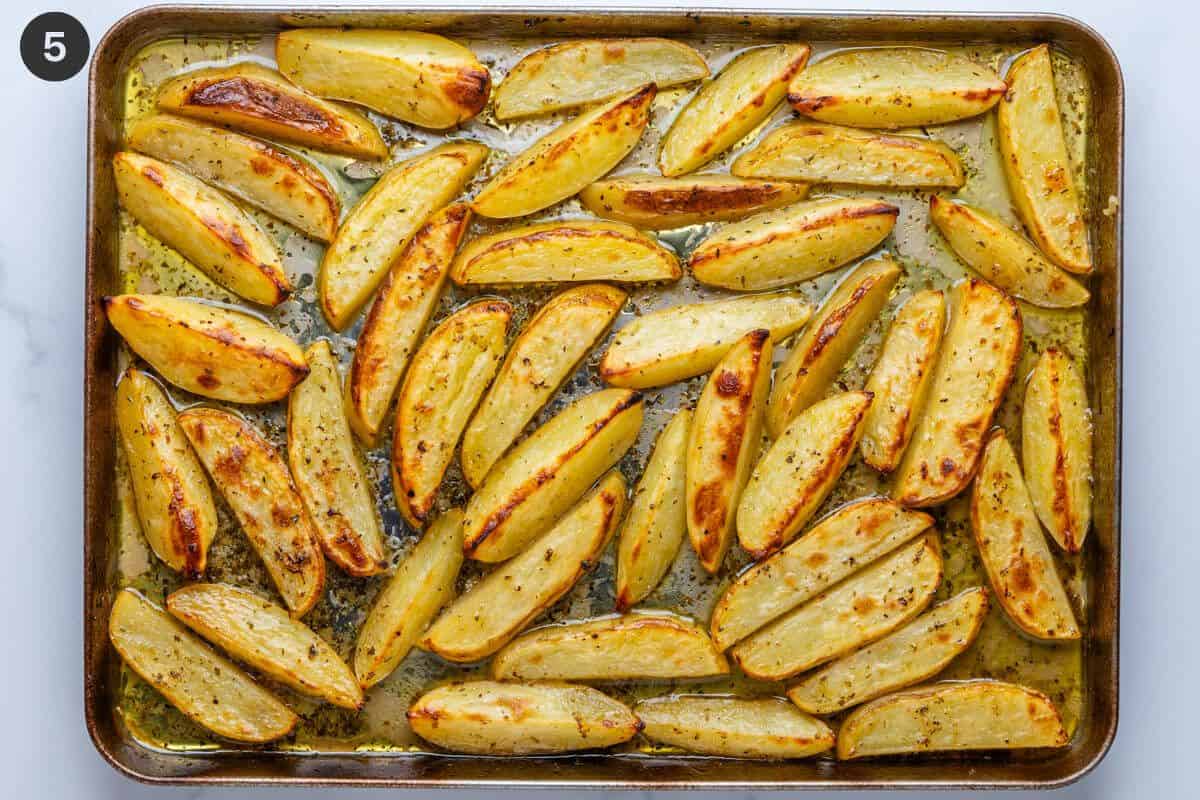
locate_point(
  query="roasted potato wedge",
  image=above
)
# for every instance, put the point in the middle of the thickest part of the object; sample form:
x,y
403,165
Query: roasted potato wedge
x,y
958,715
171,494
256,484
859,610
417,77
328,471
655,203
793,244
543,476
894,87
498,607
723,444
448,375
680,342
208,350
733,727
978,358
1013,548
549,348
490,718
568,158
1030,133
916,652
848,539
258,100
585,71
1056,449
730,106
638,645
375,233
1003,256
900,378
259,633
205,686
203,225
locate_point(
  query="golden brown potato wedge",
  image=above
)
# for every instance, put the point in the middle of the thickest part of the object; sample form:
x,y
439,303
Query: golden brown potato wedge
x,y
655,203
733,727
258,100
417,77
259,633
568,158
256,484
171,494
203,225
723,444
894,87
549,348
206,349
205,686
1013,548
376,231
490,718
730,106
448,375
978,358
543,476
793,244
952,715
514,594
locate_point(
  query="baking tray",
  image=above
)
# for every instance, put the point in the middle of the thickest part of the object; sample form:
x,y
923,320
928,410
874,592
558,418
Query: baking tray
x,y
1098,721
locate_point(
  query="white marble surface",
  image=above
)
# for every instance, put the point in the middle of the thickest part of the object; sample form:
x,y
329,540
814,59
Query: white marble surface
x,y
44,749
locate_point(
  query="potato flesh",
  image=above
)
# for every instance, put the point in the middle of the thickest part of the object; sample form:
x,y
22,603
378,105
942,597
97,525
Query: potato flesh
x,y
733,727
652,202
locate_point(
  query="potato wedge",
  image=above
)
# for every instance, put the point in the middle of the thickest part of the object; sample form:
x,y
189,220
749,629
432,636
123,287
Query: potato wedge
x,y
552,344
174,503
820,153
256,484
793,478
731,105
733,727
282,184
375,233
585,71
1056,449
630,646
192,676
258,100
499,607
851,537
568,158
490,718
723,444
680,342
420,587
1029,130
908,655
827,344
401,310
448,375
901,376
978,358
1013,548
793,244
953,715
655,203
261,634
894,87
417,77
208,350
543,476
1003,256
328,471
657,520
203,225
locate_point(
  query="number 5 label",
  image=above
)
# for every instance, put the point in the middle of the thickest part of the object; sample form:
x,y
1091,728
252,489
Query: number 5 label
x,y
54,46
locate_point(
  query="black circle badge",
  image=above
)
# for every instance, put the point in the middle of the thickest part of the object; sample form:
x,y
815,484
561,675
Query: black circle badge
x,y
54,46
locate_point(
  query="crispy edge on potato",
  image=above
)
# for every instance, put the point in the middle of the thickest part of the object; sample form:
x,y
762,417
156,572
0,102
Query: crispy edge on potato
x,y
653,202
733,727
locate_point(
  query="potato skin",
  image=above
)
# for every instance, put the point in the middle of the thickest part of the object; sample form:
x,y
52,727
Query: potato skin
x,y
733,727
655,203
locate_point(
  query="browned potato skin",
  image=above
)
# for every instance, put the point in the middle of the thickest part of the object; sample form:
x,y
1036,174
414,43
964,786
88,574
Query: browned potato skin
x,y
655,203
